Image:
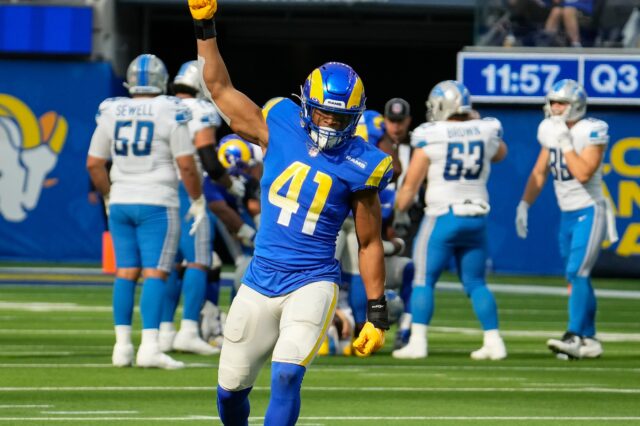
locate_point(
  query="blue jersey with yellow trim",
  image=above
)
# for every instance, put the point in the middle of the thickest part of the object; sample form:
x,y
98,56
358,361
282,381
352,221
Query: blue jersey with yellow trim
x,y
305,198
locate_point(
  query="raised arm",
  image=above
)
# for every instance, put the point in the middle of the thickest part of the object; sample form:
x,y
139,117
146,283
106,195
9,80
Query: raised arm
x,y
241,113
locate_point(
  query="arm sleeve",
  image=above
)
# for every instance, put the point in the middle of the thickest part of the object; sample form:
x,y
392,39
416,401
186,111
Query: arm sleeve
x,y
210,162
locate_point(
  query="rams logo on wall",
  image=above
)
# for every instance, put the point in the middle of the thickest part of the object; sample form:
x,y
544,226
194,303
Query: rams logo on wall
x,y
29,149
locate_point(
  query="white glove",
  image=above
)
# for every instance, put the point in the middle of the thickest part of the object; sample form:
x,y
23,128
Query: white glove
x,y
562,133
246,234
237,187
197,212
105,199
522,217
393,247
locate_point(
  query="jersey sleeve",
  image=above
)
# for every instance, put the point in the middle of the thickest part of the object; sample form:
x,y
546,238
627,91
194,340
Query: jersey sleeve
x,y
598,133
100,145
205,115
180,115
379,176
494,135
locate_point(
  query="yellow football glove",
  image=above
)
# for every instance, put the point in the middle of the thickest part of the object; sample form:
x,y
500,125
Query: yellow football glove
x,y
369,341
203,9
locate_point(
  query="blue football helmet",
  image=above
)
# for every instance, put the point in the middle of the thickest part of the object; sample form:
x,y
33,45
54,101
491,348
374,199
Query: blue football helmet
x,y
235,154
333,88
571,92
371,126
448,98
189,76
147,75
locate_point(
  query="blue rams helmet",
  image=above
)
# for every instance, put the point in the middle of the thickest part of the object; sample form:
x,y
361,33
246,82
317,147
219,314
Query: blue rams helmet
x,y
448,98
332,88
189,76
147,75
570,92
235,153
371,126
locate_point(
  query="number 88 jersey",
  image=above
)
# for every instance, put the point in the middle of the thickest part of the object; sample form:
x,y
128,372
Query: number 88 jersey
x,y
305,198
460,154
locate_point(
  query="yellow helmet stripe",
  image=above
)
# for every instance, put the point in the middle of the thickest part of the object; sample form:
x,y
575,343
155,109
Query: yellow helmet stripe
x,y
378,173
356,94
316,91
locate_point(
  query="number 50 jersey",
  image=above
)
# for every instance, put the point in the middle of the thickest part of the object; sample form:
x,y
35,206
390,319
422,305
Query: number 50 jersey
x,y
460,154
305,198
142,136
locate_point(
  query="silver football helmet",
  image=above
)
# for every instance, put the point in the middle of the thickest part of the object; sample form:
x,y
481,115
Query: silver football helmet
x,y
189,75
571,92
448,98
147,75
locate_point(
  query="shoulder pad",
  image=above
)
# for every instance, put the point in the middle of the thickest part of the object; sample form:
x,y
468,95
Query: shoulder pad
x,y
419,137
270,104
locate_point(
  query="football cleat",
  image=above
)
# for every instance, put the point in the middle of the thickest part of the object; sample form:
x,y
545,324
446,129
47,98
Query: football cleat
x,y
568,345
165,336
192,343
149,356
413,350
494,350
122,355
590,348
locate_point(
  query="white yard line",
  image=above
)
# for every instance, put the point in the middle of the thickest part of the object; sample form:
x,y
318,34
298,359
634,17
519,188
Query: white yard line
x,y
576,389
92,412
334,418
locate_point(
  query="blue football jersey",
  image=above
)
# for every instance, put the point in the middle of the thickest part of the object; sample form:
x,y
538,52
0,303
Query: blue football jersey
x,y
305,198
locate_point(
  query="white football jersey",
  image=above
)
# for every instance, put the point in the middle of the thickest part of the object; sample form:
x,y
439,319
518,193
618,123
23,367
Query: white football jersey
x,y
460,154
571,194
142,136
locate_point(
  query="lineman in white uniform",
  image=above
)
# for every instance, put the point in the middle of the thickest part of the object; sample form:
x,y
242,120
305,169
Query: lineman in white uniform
x,y
144,136
194,249
572,149
455,153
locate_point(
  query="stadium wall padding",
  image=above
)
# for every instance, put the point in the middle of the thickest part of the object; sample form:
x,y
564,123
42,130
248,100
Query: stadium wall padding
x,y
47,116
539,253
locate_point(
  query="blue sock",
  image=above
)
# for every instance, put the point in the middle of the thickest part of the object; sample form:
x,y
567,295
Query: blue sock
x,y
151,302
233,407
284,406
484,305
123,296
407,279
357,298
422,304
172,290
194,286
213,292
578,304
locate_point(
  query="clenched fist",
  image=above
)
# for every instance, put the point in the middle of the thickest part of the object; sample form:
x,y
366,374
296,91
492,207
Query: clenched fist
x,y
203,9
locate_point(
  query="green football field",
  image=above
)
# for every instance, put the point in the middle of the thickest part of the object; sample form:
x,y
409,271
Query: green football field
x,y
55,354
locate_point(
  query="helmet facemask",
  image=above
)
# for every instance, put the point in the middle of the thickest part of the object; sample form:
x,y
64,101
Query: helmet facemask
x,y
335,89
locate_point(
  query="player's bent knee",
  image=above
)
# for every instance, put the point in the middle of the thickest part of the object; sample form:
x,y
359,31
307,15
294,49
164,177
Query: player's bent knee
x,y
234,378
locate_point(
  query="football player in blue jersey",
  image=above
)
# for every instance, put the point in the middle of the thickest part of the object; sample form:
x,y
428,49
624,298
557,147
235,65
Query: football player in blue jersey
x,y
572,150
315,172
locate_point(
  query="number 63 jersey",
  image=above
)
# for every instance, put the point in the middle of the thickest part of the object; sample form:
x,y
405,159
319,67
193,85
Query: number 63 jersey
x,y
460,154
305,198
142,136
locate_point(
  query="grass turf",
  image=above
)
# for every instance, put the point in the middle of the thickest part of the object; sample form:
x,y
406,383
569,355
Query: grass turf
x,y
55,352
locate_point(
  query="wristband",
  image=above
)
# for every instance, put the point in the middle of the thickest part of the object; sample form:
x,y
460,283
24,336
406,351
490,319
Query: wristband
x,y
205,28
377,313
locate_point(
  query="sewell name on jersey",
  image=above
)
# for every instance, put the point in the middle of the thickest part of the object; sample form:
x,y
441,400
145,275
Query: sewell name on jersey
x,y
142,110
